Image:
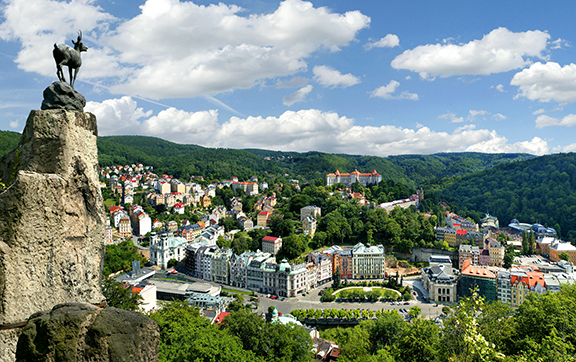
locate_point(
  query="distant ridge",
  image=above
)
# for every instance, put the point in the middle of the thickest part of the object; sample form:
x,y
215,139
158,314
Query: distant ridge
x,y
222,163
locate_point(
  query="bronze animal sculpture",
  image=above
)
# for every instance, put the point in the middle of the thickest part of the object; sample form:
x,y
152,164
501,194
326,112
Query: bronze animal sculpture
x,y
70,57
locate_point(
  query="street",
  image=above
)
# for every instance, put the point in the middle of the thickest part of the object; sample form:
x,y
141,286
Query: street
x,y
312,301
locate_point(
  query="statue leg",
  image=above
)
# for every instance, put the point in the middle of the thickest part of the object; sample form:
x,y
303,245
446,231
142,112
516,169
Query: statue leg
x,y
70,69
59,73
75,74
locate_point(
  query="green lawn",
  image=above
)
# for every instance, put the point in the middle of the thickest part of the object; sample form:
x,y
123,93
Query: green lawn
x,y
109,202
236,291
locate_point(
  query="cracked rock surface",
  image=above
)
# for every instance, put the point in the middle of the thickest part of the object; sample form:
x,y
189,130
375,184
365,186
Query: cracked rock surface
x,y
52,219
81,332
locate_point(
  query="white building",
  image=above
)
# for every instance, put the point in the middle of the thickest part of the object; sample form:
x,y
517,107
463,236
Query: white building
x,y
204,261
311,210
323,266
368,262
440,279
238,268
221,266
164,247
271,244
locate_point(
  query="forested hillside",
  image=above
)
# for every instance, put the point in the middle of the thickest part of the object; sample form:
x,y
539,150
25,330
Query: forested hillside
x,y
541,190
410,170
8,141
186,160
182,161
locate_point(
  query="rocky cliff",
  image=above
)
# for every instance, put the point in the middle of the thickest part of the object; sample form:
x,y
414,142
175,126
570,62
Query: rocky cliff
x,y
51,219
81,332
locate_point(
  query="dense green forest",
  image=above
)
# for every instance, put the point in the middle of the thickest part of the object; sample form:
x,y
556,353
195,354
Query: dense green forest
x,y
410,170
543,328
541,190
185,160
8,141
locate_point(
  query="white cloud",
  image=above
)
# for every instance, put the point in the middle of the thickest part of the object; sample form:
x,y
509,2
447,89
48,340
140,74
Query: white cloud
x,y
329,77
474,113
117,116
294,82
181,126
297,96
304,130
14,124
499,117
389,41
497,144
559,43
499,51
546,82
568,148
547,121
539,111
386,92
177,48
499,88
451,117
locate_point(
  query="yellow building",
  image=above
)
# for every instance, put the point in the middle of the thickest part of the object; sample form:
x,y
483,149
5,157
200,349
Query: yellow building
x,y
558,247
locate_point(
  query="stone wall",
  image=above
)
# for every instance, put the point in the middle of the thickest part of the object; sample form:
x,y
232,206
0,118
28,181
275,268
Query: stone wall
x,y
422,254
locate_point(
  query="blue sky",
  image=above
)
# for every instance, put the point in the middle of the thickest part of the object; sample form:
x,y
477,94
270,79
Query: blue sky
x,y
358,77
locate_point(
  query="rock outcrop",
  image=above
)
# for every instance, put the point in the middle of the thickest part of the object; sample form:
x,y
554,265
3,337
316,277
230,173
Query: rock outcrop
x,y
60,95
51,219
76,332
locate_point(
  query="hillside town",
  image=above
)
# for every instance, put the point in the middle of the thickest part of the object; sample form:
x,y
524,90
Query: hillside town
x,y
498,263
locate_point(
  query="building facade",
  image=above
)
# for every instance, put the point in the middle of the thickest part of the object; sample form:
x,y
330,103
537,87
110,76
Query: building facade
x,y
166,246
348,179
368,262
440,279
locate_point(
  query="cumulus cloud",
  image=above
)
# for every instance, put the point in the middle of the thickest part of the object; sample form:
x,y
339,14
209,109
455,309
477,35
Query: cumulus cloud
x,y
547,121
546,82
304,130
568,148
329,77
389,41
451,117
499,117
297,96
177,48
539,111
118,116
498,144
387,92
499,51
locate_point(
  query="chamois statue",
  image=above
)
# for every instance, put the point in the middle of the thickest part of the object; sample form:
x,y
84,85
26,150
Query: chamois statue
x,y
65,55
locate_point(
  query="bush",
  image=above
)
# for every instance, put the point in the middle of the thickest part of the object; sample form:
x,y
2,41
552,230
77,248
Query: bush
x,y
172,263
327,295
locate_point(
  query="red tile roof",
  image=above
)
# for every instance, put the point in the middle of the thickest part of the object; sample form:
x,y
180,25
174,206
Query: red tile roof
x,y
220,317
